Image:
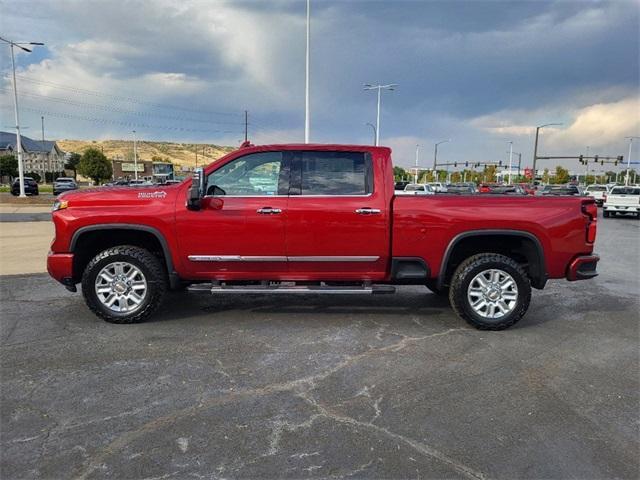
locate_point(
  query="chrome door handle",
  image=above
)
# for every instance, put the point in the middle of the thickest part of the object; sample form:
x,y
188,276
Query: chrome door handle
x,y
368,211
269,211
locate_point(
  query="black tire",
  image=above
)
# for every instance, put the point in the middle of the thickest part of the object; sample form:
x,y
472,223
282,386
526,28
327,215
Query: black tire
x,y
154,273
466,272
605,214
432,285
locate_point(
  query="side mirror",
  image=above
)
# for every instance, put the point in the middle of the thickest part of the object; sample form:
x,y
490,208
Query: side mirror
x,y
196,191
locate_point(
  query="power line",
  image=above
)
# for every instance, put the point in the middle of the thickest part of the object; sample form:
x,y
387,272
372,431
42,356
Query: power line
x,y
70,102
118,122
85,91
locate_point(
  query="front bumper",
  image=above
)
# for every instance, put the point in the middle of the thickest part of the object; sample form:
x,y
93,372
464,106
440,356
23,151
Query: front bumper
x,y
60,267
583,268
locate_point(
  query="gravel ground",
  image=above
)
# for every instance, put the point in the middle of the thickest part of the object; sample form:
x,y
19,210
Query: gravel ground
x,y
296,387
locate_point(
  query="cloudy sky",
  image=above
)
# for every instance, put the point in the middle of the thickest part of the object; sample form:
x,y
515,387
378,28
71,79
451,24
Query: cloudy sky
x,y
480,73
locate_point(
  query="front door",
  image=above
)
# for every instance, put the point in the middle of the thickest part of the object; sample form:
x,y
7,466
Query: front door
x,y
337,218
240,231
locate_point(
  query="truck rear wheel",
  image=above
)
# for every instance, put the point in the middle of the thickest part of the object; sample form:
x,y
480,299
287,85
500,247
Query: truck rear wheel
x,y
124,284
490,291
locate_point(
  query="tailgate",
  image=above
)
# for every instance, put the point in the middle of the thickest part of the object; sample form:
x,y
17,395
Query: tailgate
x,y
624,200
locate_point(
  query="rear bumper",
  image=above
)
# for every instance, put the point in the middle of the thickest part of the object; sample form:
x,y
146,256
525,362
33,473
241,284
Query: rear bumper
x,y
583,268
60,267
621,208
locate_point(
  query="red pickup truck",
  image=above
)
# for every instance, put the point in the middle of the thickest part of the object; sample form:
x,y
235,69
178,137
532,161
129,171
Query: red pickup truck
x,y
315,219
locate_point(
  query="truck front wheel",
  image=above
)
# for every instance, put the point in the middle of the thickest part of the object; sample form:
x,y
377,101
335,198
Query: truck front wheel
x,y
490,291
124,284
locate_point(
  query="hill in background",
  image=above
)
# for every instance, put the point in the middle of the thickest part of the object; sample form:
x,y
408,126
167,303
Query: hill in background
x,y
177,153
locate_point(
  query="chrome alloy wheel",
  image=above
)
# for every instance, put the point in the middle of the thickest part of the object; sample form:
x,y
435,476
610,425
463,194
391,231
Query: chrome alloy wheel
x,y
121,287
493,294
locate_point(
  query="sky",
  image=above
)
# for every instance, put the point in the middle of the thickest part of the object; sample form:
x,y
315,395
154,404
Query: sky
x,y
482,74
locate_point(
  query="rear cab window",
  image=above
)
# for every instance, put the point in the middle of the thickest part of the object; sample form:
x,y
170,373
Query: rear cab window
x,y
320,173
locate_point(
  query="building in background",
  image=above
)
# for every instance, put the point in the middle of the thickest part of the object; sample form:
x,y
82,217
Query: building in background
x,y
157,172
38,156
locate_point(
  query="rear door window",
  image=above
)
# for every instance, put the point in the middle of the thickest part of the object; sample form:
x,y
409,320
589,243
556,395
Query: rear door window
x,y
333,173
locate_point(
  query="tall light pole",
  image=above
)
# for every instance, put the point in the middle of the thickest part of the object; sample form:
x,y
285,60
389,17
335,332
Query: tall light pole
x,y
21,46
374,131
415,177
135,156
626,179
390,86
535,147
435,152
306,85
510,160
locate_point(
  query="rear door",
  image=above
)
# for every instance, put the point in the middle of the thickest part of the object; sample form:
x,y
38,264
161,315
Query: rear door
x,y
337,224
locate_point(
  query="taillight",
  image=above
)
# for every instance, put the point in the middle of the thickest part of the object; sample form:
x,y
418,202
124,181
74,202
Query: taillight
x,y
604,197
591,210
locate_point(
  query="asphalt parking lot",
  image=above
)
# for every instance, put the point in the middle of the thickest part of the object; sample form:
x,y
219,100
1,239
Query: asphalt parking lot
x,y
296,387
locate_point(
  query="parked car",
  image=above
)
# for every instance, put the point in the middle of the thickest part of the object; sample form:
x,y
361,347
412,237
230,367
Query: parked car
x,y
333,227
528,188
497,189
399,186
486,187
622,200
139,183
64,184
417,189
597,192
30,186
560,190
438,187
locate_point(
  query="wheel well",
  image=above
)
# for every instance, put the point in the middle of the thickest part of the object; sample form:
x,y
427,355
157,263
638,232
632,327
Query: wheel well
x,y
88,244
524,249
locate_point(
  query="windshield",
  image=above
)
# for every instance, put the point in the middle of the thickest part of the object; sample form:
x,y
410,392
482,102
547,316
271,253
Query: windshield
x,y
596,188
626,191
414,188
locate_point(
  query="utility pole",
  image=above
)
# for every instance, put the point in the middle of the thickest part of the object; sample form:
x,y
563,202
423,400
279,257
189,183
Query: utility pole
x,y
535,147
21,46
135,156
435,153
306,86
626,177
48,162
246,125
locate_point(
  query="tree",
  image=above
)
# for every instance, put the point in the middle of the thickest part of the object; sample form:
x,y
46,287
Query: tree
x,y
545,176
95,165
72,163
35,175
490,173
399,174
562,175
8,166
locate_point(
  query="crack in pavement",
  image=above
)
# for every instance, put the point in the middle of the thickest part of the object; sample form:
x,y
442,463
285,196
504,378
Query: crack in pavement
x,y
298,386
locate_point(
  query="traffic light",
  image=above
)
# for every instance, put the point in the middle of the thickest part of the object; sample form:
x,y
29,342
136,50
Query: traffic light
x,y
500,163
595,158
620,158
581,159
455,164
466,164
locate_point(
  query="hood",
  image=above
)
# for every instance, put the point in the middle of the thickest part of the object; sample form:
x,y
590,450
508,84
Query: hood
x,y
121,196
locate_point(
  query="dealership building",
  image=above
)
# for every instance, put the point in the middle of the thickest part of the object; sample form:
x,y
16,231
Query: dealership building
x,y
156,172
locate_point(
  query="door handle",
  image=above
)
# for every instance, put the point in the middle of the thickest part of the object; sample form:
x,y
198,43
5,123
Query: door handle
x,y
368,211
269,211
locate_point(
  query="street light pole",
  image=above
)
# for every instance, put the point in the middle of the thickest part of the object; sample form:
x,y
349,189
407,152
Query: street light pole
x,y
379,88
306,86
535,147
21,46
626,178
510,160
135,156
435,153
374,131
415,177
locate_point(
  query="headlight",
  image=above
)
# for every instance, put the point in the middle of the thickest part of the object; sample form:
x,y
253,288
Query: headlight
x,y
59,205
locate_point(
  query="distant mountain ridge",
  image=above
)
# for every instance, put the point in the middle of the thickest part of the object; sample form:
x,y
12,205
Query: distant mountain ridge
x,y
176,153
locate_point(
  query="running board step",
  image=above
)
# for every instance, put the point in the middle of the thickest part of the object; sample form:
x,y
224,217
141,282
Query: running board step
x,y
289,289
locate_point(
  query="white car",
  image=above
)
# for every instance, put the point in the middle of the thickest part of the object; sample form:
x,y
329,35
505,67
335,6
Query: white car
x,y
597,192
622,200
417,189
438,187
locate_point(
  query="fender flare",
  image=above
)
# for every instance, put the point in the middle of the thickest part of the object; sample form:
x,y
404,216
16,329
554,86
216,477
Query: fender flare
x,y
537,283
128,226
